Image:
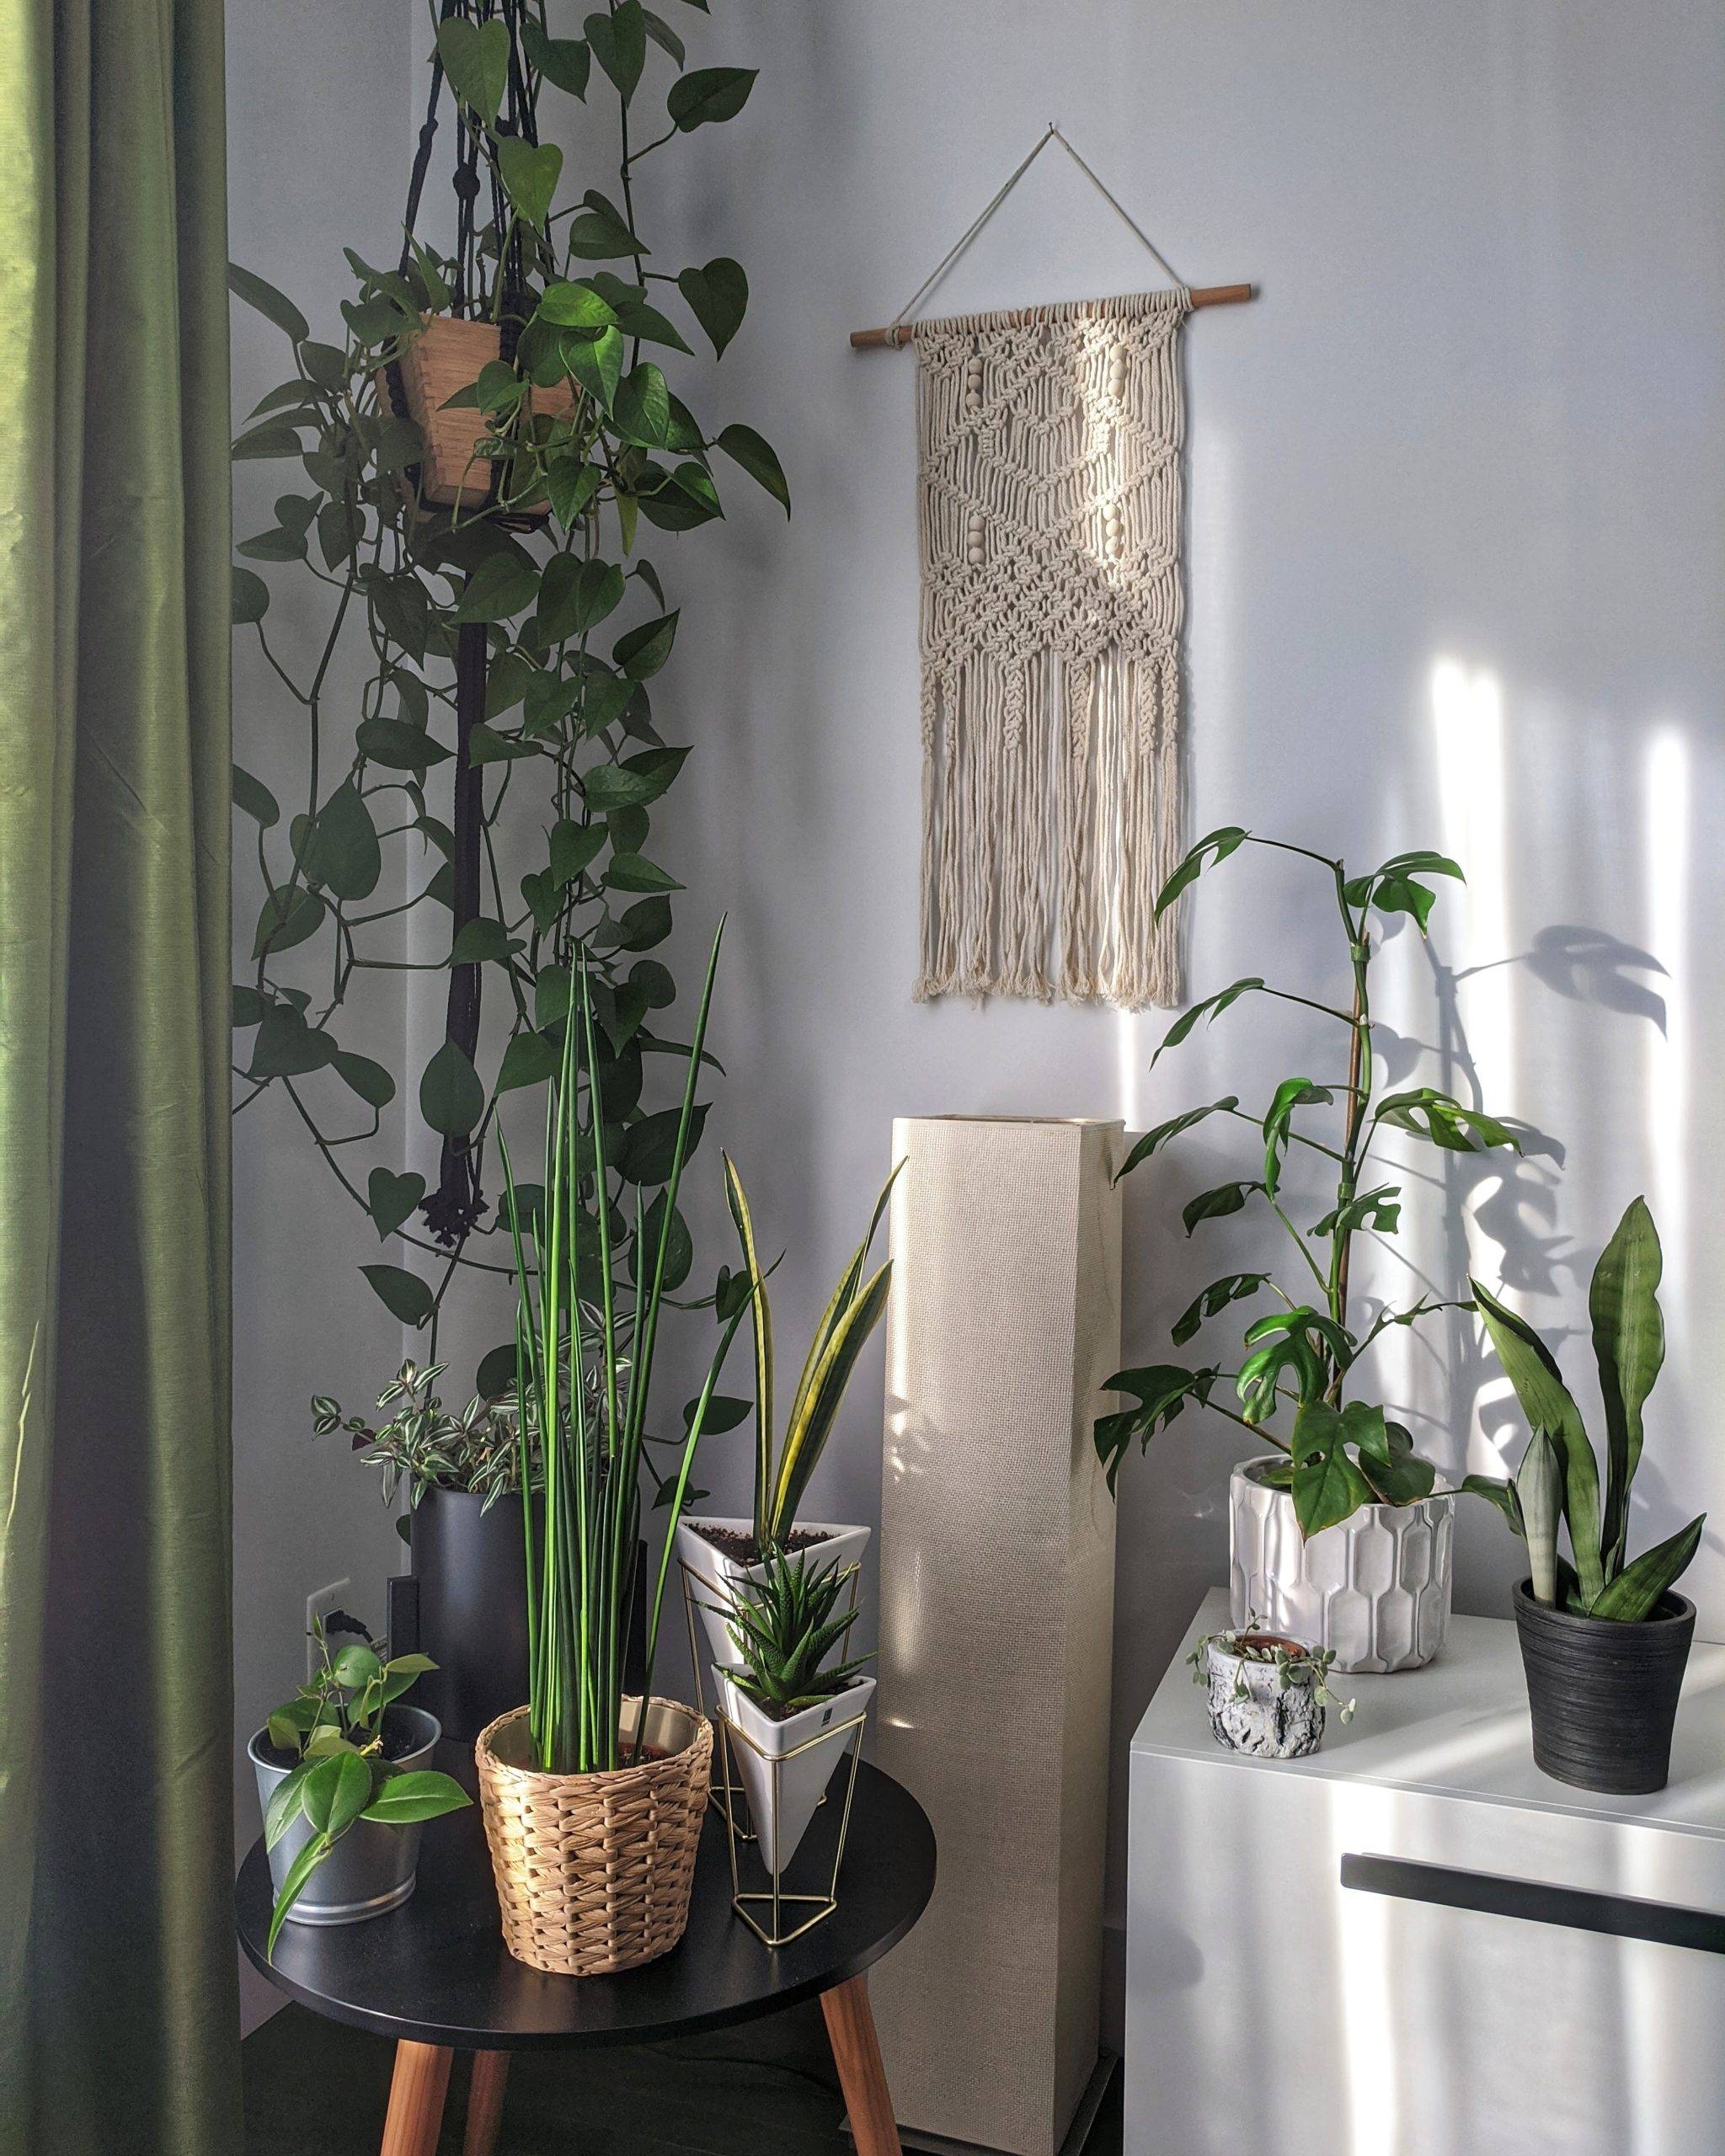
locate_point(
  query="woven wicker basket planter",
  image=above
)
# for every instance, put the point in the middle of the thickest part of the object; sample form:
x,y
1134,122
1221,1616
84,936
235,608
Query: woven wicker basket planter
x,y
447,356
594,1870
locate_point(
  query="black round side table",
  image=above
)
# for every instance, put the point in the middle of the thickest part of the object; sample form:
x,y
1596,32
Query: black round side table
x,y
434,1974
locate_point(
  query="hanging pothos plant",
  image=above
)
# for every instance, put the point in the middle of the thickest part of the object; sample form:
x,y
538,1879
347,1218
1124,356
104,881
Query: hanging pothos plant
x,y
512,619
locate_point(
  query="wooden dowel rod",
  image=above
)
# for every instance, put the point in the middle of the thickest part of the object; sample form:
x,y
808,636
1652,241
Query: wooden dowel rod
x,y
868,340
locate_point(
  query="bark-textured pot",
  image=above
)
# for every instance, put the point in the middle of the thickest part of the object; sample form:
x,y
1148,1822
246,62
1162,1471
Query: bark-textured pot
x,y
717,1576
1250,1710
1374,1590
787,1765
594,1871
371,1868
471,1566
1604,1694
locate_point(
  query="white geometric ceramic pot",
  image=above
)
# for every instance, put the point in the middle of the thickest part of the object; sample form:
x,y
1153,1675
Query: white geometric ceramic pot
x,y
787,1765
1250,1710
1375,1590
717,1575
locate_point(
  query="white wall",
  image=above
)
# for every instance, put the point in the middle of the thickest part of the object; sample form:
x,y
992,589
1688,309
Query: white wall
x,y
1455,512
319,136
1456,497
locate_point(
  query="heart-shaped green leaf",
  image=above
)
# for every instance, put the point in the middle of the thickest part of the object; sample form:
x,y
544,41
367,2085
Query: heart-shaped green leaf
x,y
392,1198
757,458
706,95
452,1099
619,44
717,295
403,1294
475,57
529,172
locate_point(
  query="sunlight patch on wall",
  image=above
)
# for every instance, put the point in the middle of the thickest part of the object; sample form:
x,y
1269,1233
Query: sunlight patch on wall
x,y
1467,718
1665,846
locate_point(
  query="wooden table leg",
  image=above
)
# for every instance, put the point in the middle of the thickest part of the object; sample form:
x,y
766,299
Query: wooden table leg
x,y
485,2102
856,2051
416,2094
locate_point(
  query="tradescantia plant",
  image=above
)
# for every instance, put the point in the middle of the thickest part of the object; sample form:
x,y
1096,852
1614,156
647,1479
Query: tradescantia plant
x,y
1302,1365
508,641
1559,1477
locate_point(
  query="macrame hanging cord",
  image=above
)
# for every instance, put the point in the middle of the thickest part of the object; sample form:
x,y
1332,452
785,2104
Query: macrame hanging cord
x,y
1050,516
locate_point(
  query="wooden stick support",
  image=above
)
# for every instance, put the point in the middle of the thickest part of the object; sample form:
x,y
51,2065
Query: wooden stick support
x,y
869,340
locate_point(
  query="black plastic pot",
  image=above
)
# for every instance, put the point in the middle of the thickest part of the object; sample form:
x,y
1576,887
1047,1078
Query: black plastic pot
x,y
470,1572
1604,1694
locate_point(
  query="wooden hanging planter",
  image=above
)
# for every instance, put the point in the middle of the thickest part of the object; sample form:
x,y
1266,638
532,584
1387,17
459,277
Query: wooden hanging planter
x,y
447,356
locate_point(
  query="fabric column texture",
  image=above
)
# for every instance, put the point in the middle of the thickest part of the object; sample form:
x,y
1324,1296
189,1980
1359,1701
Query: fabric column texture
x,y
118,2014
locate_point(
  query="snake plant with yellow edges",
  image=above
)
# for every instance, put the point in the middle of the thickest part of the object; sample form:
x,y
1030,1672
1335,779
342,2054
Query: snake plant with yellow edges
x,y
856,1307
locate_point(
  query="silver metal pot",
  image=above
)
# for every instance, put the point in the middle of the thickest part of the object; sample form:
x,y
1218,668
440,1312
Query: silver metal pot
x,y
372,1868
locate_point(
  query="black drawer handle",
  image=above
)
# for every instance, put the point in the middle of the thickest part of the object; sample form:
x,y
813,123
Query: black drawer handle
x,y
1618,1915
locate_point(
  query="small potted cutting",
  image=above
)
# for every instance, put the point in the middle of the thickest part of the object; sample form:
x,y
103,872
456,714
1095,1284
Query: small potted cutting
x,y
344,1783
1605,1638
1267,1694
592,1799
789,1709
720,1555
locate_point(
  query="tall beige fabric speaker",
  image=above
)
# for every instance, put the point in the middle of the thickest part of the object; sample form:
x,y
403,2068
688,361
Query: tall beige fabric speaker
x,y
996,1601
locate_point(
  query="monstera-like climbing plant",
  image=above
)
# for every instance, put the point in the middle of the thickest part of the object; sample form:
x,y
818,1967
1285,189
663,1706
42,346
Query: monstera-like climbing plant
x,y
511,626
1302,1380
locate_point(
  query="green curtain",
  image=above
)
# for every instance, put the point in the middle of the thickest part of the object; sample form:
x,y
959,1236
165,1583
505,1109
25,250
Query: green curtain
x,y
118,2014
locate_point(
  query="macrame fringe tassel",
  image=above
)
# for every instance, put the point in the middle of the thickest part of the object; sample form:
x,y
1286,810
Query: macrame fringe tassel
x,y
1017,812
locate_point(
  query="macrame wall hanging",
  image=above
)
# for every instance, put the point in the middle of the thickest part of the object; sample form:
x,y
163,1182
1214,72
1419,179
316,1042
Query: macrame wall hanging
x,y
1050,517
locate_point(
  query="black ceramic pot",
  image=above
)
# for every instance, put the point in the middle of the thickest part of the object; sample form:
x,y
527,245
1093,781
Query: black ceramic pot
x,y
471,1570
1604,1694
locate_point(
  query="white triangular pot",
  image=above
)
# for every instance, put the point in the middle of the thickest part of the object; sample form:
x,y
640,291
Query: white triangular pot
x,y
762,1749
717,1576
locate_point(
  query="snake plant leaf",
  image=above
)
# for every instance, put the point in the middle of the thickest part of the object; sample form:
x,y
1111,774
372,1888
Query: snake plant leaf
x,y
1635,1594
1292,1093
1210,1007
1213,847
1539,1484
1152,1140
843,1296
738,1199
1629,1341
806,1435
1212,1301
1546,1403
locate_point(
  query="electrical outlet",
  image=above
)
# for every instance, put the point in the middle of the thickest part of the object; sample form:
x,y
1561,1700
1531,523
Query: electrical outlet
x,y
318,1609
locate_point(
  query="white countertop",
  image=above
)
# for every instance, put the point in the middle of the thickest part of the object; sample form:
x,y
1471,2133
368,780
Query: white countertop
x,y
1459,1728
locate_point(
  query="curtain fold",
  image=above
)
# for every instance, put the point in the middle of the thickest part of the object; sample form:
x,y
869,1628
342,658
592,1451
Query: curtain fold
x,y
118,2016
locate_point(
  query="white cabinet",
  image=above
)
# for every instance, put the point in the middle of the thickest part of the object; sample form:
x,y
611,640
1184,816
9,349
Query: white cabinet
x,y
1272,2010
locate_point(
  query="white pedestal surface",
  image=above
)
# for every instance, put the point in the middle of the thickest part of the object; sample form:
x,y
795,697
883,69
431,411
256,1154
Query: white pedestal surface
x,y
1272,2012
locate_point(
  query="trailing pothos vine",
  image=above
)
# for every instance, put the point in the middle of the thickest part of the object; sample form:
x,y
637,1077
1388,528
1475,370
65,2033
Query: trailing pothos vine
x,y
510,638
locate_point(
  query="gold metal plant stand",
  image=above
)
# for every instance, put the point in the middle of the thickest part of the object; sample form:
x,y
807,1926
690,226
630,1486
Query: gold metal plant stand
x,y
819,1905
